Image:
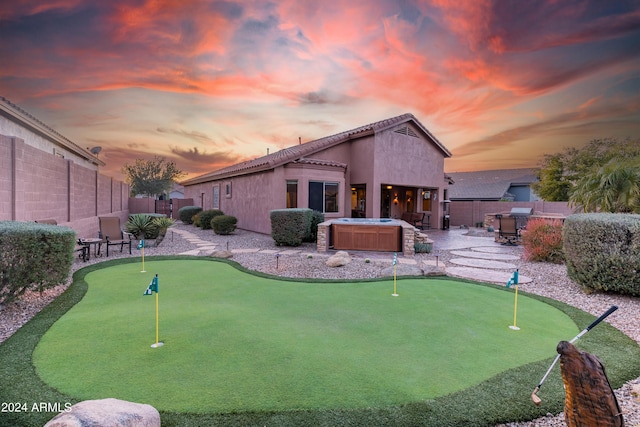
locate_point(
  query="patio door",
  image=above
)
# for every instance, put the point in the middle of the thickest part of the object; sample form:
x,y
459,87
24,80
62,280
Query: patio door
x,y
359,201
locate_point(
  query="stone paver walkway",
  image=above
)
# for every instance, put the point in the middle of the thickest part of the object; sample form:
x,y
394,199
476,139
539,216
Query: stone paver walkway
x,y
479,257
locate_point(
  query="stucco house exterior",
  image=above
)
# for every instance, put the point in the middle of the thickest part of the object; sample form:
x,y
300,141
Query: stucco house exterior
x,y
379,170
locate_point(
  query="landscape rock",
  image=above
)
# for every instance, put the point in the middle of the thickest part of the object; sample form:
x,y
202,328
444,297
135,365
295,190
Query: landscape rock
x,y
339,259
432,270
222,254
107,413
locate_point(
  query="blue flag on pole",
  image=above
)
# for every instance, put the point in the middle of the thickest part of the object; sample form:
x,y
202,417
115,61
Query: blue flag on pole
x,y
153,286
141,244
395,258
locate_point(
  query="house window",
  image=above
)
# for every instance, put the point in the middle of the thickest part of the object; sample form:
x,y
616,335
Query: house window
x,y
216,197
323,196
227,190
292,194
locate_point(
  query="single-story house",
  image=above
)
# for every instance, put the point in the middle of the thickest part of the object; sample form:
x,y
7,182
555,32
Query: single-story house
x,y
513,185
380,170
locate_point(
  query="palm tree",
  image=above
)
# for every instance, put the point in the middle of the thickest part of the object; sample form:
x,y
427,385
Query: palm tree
x,y
614,187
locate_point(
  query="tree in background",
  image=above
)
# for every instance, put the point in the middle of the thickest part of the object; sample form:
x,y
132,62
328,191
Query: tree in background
x,y
614,187
560,173
151,177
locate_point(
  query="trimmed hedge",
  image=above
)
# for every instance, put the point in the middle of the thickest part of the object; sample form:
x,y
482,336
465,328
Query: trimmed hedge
x,y
317,217
602,251
186,213
33,257
223,224
206,217
290,227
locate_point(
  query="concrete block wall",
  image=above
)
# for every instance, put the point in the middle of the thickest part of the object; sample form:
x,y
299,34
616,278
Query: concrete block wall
x,y
37,185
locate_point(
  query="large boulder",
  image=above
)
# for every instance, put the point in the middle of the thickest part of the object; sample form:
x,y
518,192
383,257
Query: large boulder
x,y
107,413
339,259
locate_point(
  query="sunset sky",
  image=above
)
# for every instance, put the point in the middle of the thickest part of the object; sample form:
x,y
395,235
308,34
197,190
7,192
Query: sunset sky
x,y
210,83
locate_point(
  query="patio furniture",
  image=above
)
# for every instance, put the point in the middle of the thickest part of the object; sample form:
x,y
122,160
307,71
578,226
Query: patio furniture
x,y
417,219
112,234
86,243
508,230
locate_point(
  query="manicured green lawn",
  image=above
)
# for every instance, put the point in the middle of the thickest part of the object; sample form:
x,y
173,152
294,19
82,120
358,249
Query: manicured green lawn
x,y
236,341
244,349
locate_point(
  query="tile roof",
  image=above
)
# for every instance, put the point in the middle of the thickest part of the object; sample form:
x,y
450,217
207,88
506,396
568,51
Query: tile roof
x,y
488,185
298,152
25,119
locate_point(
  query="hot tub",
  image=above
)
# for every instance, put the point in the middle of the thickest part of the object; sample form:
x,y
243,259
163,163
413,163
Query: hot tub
x,y
366,234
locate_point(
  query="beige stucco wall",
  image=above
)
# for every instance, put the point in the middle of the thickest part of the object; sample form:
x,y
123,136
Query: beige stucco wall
x,y
373,160
37,185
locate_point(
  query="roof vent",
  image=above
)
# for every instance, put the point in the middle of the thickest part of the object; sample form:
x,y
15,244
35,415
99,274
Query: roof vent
x,y
406,130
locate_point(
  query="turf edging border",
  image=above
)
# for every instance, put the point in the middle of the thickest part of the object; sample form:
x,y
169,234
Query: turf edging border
x,y
503,398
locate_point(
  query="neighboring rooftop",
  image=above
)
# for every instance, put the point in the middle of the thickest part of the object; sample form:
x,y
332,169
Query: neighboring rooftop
x,y
491,184
29,121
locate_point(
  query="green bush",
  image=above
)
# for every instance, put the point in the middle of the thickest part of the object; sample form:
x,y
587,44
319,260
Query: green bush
x,y
542,241
317,217
422,248
196,220
33,257
602,251
224,224
207,216
142,226
290,227
186,213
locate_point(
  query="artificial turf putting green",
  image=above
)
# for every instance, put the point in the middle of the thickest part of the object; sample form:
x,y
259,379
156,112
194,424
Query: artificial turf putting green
x,y
239,342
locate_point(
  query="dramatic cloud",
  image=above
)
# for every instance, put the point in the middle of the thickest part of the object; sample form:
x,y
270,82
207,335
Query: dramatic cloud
x,y
499,83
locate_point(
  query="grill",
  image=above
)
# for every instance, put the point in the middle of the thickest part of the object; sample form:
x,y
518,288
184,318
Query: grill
x,y
521,215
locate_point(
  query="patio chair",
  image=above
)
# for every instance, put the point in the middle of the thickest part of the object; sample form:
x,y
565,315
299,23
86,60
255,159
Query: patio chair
x,y
508,231
111,233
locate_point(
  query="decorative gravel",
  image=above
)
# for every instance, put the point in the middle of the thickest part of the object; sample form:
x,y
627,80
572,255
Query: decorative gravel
x,y
258,252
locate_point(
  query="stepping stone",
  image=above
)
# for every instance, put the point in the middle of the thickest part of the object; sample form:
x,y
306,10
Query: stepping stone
x,y
207,247
484,275
486,255
269,251
492,249
406,261
191,252
483,263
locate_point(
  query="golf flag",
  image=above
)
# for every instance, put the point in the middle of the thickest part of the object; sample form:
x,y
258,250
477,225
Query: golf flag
x,y
395,258
153,286
513,280
141,244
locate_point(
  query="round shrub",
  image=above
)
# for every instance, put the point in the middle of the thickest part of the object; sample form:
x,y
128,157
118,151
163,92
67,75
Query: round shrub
x,y
186,213
224,224
206,217
542,241
317,217
602,251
